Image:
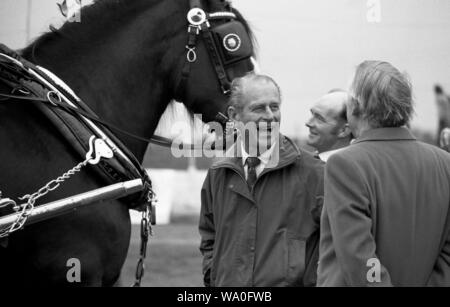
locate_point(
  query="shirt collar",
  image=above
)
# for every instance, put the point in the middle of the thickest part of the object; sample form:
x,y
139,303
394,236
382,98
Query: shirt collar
x,y
326,154
264,157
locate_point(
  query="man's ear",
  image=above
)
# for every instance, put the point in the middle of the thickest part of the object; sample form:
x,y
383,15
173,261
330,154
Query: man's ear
x,y
232,113
344,131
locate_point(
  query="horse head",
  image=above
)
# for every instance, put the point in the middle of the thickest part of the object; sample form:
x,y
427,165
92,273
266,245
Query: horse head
x,y
219,47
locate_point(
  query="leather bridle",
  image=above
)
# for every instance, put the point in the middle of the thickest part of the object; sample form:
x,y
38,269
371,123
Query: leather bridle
x,y
199,23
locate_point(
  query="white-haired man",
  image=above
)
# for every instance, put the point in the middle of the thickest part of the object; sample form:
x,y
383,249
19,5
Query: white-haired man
x,y
260,213
385,219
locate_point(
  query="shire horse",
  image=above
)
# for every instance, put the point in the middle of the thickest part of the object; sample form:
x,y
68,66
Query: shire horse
x,y
124,60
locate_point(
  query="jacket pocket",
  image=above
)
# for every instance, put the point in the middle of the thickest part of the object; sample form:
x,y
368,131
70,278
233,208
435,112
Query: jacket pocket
x,y
296,261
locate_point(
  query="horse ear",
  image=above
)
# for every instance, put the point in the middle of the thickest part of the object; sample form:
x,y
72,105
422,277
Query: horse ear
x,y
227,5
63,8
217,5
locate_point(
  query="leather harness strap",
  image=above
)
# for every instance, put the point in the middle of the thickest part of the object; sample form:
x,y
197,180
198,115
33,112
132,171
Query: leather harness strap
x,y
157,140
225,84
194,30
69,120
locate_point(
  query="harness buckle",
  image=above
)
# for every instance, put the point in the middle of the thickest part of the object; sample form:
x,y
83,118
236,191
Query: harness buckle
x,y
196,16
225,91
54,98
192,29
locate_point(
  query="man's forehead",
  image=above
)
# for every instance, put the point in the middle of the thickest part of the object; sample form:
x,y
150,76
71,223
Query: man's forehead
x,y
333,101
331,105
257,90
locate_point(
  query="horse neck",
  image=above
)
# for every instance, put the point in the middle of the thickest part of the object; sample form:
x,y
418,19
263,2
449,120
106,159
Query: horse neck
x,y
122,77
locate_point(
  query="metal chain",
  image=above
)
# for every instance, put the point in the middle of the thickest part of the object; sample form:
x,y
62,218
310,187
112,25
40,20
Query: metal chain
x,y
27,208
146,231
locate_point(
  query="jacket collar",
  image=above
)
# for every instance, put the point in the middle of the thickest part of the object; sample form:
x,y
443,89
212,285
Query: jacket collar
x,y
386,134
286,152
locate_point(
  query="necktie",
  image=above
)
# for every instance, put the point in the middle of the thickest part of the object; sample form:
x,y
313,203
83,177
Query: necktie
x,y
252,163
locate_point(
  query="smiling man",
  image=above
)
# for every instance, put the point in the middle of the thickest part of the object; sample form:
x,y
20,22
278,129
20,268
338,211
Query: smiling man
x,y
260,211
328,128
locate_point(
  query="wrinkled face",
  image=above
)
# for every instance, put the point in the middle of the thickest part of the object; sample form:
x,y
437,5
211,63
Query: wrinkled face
x,y
325,123
261,106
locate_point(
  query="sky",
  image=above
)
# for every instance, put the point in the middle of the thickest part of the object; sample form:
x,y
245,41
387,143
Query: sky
x,y
313,46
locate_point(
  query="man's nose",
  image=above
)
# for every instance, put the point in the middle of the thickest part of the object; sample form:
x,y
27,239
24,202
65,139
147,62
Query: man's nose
x,y
268,115
310,123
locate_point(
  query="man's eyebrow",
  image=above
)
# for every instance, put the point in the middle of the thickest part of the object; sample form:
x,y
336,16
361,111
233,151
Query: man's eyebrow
x,y
317,114
258,104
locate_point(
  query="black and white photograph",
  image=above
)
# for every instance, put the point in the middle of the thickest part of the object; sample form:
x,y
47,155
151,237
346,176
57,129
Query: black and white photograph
x,y
222,148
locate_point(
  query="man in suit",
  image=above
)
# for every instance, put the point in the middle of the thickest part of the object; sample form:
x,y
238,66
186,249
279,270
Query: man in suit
x,y
260,206
328,128
385,219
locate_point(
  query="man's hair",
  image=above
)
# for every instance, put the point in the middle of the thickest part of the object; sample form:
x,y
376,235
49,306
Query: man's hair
x,y
343,113
238,85
383,94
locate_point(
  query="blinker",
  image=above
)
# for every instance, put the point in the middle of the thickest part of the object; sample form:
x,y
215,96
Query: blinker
x,y
234,41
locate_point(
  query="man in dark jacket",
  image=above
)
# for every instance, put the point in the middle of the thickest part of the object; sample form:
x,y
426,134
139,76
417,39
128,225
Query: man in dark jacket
x,y
385,219
259,222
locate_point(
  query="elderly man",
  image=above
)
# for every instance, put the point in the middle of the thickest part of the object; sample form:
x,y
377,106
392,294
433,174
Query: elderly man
x,y
260,210
385,219
328,128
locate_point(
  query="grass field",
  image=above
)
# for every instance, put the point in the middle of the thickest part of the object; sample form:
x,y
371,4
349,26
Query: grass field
x,y
173,257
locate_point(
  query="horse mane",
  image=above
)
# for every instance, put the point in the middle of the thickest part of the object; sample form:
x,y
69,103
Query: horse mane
x,y
106,15
97,19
